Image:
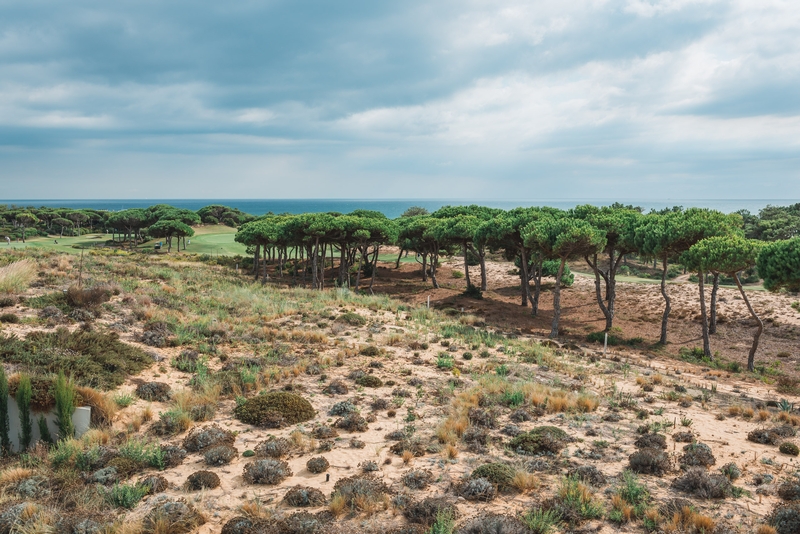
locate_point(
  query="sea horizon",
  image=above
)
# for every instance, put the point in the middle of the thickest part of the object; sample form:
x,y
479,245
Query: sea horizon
x,y
390,207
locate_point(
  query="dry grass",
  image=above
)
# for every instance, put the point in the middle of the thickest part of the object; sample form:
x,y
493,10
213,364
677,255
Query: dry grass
x,y
255,509
525,481
16,277
657,379
407,457
734,411
450,451
763,415
625,509
13,475
302,442
766,529
688,521
103,406
338,505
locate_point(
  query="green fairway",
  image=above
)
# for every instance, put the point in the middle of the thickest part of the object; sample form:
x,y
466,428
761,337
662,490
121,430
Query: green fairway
x,y
215,240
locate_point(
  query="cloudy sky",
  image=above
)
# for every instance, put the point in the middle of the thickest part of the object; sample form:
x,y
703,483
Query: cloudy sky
x,y
630,99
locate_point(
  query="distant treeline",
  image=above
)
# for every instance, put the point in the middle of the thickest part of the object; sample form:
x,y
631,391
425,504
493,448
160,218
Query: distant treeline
x,y
539,240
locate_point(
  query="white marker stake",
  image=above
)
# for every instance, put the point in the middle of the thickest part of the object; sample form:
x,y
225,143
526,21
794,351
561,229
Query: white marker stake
x,y
605,343
429,302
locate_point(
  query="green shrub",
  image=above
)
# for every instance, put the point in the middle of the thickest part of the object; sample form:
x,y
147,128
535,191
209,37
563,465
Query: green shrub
x,y
23,398
444,361
787,447
542,439
125,496
11,318
473,292
143,453
541,521
93,359
369,381
123,400
44,432
260,409
65,406
498,474
351,318
467,356
370,350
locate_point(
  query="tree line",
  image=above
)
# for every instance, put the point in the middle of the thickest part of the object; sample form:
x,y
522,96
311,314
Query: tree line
x,y
540,241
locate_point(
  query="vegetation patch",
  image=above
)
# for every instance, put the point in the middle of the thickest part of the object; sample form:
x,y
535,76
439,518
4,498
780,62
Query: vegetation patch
x,y
262,409
540,440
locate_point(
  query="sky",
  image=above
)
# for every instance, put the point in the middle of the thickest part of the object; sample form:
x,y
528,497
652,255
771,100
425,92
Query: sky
x,y
628,99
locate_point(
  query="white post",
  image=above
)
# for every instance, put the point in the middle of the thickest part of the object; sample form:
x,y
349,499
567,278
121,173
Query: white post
x,y
429,302
605,343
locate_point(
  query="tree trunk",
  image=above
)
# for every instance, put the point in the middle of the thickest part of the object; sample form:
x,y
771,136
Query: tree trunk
x,y
557,301
169,244
434,261
399,256
751,358
523,276
466,266
374,268
537,289
704,316
314,264
255,260
360,265
598,292
712,323
266,265
667,304
482,257
425,267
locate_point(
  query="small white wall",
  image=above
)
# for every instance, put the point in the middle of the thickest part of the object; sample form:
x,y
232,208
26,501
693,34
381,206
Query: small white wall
x,y
81,418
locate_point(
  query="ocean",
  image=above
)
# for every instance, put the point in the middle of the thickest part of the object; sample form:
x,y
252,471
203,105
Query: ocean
x,y
391,207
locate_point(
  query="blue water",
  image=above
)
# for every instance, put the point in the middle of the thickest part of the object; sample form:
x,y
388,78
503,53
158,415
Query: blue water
x,y
395,207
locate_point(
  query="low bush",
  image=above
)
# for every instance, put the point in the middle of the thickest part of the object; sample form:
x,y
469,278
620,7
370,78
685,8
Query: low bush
x,y
202,480
266,471
540,440
478,489
699,483
200,439
125,495
787,447
785,518
427,510
359,491
262,409
317,465
352,422
650,462
651,441
220,455
500,475
417,478
273,448
369,381
771,436
153,391
301,497
695,454
351,318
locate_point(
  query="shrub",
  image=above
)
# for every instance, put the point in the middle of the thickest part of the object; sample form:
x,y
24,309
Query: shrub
x,y
171,517
731,471
317,465
370,350
301,497
697,482
266,471
789,491
473,292
152,484
200,439
10,318
172,456
412,445
589,474
427,510
500,475
342,408
324,432
478,489
93,359
787,447
23,399
202,480
359,491
172,422
143,453
770,436
540,440
697,454
351,318
493,524
220,455
482,418
651,441
153,391
574,502
336,387
417,479
369,381
65,406
273,448
649,461
352,422
539,521
261,409
125,496
785,518
87,298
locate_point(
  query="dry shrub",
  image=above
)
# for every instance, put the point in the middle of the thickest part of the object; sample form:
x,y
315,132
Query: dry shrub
x,y
88,298
200,439
273,448
301,497
16,277
587,403
266,471
766,529
524,481
650,461
697,482
427,510
450,451
202,480
363,492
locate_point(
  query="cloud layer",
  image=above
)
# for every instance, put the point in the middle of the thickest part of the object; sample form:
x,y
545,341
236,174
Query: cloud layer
x,y
468,99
